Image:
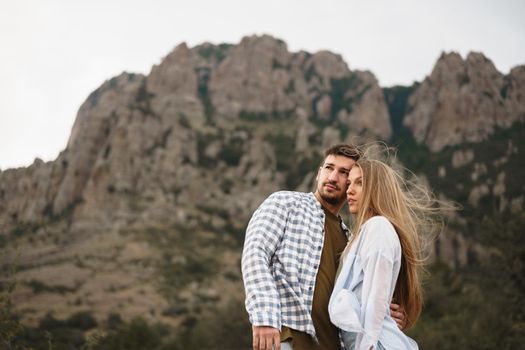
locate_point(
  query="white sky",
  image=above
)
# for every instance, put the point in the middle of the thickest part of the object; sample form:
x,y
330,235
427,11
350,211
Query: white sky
x,y
53,53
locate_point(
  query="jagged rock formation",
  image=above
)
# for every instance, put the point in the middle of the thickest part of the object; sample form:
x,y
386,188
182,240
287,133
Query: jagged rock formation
x,y
144,211
465,101
141,135
193,147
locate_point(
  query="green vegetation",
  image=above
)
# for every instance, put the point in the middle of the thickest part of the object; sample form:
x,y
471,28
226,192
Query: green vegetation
x,y
310,72
210,210
65,214
218,328
340,87
160,142
23,229
226,186
479,306
397,98
265,117
180,262
290,88
232,151
253,116
203,141
136,335
302,165
143,100
458,182
283,146
210,327
224,328
277,65
203,75
143,95
217,52
40,287
50,333
10,326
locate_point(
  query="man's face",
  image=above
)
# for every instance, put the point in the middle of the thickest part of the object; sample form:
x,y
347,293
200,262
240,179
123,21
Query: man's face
x,y
332,178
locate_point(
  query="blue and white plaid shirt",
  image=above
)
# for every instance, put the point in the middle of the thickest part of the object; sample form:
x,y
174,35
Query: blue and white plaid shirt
x,y
280,260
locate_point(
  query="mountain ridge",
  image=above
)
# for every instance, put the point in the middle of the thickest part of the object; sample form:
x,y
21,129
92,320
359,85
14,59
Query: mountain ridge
x,y
144,211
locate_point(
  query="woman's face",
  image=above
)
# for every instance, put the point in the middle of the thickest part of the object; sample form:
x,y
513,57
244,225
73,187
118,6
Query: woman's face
x,y
355,187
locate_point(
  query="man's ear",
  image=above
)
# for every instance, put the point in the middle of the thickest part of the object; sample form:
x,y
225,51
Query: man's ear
x,y
317,176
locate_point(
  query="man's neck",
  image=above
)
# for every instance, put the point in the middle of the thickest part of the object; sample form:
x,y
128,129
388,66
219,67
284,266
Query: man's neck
x,y
332,208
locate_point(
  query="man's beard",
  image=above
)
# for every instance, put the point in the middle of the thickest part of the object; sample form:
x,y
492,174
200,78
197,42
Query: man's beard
x,y
332,199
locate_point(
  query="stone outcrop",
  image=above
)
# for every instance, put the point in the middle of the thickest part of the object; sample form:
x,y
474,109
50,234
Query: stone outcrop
x,y
165,168
260,77
27,193
146,136
465,101
253,78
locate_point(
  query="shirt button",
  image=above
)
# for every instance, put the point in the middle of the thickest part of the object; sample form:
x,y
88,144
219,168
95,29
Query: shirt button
x,y
310,289
319,248
316,266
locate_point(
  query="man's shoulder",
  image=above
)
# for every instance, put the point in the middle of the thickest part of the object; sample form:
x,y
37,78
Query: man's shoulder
x,y
289,195
292,198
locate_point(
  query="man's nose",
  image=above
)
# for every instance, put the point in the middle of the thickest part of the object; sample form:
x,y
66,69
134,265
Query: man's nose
x,y
332,176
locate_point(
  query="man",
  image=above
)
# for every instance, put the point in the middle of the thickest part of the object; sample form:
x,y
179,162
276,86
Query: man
x,y
290,258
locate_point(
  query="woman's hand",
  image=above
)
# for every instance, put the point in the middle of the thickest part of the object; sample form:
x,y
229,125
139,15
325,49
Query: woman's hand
x,y
398,314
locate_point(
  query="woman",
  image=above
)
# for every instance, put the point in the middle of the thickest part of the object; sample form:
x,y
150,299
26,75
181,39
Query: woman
x,y
381,261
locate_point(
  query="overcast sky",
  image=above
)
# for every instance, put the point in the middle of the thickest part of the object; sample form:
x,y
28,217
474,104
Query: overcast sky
x,y
53,53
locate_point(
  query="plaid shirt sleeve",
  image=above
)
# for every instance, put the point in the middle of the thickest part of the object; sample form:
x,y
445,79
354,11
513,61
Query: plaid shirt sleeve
x,y
263,235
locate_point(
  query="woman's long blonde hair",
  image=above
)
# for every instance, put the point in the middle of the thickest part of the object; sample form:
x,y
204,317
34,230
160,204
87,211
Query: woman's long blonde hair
x,y
410,208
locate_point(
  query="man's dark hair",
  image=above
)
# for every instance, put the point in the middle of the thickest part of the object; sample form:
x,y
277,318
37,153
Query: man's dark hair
x,y
344,150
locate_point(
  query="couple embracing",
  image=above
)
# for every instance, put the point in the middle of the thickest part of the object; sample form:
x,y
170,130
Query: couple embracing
x,y
310,283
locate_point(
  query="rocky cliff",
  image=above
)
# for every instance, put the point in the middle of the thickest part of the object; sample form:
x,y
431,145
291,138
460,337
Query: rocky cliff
x,y
465,101
143,214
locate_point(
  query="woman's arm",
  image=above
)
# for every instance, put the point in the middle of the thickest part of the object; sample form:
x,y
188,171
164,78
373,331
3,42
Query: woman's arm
x,y
378,270
380,249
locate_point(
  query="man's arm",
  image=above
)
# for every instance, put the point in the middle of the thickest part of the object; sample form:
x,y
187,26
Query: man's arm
x,y
263,236
398,314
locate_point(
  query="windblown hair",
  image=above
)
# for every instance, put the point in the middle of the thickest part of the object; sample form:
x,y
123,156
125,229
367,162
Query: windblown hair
x,y
411,209
346,150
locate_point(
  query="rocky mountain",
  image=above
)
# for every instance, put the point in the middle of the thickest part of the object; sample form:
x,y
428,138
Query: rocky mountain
x,y
465,101
143,213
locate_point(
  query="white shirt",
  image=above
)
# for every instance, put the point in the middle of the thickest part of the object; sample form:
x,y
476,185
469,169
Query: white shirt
x,y
360,302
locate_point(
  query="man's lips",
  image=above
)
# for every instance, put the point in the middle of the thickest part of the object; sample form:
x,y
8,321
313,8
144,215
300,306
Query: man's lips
x,y
333,187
